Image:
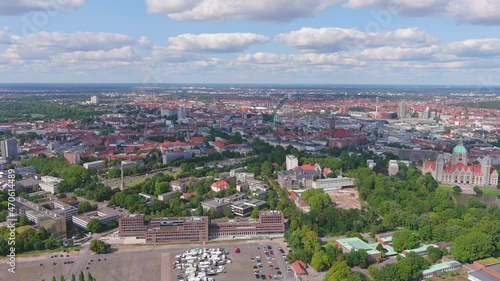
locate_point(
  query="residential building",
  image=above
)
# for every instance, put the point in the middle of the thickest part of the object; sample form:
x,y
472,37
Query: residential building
x,y
170,156
219,185
182,184
403,110
94,100
8,148
299,269
132,226
72,157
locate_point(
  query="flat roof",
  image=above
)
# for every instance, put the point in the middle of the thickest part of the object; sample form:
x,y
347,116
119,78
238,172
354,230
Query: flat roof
x,y
422,248
354,243
440,266
483,276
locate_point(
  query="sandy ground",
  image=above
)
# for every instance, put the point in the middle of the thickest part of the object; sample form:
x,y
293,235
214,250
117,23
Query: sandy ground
x,y
347,198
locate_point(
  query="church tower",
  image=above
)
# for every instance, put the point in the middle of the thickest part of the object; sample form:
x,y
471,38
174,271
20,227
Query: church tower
x,y
331,130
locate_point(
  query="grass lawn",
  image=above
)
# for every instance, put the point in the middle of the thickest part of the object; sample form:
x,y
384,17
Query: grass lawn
x,y
490,191
446,187
41,252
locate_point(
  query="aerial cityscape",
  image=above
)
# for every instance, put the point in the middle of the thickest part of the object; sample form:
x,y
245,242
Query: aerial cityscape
x,y
214,140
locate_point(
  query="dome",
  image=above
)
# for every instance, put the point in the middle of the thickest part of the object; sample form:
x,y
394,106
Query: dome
x,y
459,149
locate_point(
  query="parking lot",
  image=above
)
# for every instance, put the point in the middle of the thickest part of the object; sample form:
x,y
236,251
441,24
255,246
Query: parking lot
x,y
242,266
148,262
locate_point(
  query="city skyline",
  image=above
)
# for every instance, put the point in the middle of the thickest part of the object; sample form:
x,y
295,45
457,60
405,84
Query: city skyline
x,y
200,41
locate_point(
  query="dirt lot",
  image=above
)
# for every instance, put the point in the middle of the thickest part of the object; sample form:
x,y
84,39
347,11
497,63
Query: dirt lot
x,y
347,198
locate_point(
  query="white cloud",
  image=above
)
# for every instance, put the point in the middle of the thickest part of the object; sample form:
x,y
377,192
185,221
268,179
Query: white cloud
x,y
5,37
262,10
474,47
117,54
307,59
215,42
15,7
44,45
144,41
467,11
331,39
398,53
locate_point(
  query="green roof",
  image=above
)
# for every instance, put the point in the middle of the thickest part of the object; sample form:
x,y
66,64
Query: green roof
x,y
354,244
440,267
459,149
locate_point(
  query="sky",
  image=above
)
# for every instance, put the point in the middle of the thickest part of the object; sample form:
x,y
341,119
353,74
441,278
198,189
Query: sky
x,y
429,42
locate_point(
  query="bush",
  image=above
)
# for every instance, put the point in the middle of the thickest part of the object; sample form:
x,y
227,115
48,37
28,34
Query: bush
x,y
457,188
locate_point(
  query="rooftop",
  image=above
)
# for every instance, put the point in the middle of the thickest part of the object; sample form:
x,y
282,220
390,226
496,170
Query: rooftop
x,y
440,266
354,244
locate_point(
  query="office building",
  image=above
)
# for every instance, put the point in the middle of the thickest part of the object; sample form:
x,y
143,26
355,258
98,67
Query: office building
x,y
403,110
181,113
268,223
94,100
132,226
104,215
50,184
53,222
8,148
176,230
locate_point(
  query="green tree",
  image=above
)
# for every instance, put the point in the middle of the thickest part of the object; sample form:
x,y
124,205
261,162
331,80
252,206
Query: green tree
x,y
434,254
98,246
94,225
473,246
404,240
84,207
255,213
227,212
54,278
320,261
73,277
457,188
62,278
81,277
90,277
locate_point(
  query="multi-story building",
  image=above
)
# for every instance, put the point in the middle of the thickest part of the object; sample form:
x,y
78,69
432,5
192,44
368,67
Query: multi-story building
x,y
458,171
104,215
50,184
53,222
218,204
291,162
393,167
300,177
403,110
200,229
268,223
185,229
333,183
132,226
94,165
72,157
8,148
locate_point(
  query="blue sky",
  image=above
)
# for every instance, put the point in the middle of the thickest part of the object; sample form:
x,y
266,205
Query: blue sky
x,y
258,41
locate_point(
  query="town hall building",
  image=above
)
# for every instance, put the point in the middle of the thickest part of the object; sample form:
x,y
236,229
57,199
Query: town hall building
x,y
458,171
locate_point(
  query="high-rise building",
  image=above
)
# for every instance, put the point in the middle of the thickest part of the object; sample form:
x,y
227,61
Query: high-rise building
x,y
181,113
291,162
94,100
166,112
403,110
9,148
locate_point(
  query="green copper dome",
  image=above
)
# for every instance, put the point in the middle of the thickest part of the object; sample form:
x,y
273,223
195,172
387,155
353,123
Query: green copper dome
x,y
459,149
